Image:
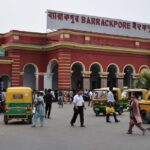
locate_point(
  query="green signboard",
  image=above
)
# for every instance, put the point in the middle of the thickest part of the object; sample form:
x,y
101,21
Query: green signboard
x,y
2,52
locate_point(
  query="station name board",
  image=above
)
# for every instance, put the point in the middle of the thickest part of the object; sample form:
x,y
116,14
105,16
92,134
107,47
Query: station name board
x,y
60,20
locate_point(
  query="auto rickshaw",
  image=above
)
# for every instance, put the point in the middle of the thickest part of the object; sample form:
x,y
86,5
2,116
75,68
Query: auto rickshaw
x,y
18,104
99,100
126,94
145,109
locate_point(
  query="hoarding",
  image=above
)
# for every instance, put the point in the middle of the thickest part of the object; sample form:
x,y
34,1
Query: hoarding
x,y
60,20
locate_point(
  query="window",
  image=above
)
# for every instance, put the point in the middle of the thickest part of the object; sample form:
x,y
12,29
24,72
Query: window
x,y
17,96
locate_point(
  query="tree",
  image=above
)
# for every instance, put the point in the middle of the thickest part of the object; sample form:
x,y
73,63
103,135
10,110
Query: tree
x,y
144,80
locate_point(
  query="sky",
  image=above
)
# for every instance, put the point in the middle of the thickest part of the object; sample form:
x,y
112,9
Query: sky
x,y
30,15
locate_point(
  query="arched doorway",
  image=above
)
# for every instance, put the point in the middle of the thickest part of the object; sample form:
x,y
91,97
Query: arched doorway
x,y
4,82
77,77
128,77
30,78
95,77
112,78
51,76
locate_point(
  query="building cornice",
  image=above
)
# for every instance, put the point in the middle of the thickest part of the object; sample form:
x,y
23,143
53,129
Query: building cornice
x,y
72,32
75,46
6,62
98,35
24,33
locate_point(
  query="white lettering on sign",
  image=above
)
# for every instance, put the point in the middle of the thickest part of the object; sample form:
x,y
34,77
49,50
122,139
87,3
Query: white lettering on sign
x,y
62,20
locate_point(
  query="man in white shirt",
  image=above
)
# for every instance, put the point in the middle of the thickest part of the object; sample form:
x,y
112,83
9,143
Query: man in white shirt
x,y
78,102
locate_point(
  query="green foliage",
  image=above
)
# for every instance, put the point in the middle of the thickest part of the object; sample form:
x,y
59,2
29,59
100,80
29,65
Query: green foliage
x,y
144,80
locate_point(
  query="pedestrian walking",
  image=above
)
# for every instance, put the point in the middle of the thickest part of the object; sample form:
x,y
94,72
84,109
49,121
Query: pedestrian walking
x,y
60,99
48,98
90,98
110,106
79,107
39,110
135,117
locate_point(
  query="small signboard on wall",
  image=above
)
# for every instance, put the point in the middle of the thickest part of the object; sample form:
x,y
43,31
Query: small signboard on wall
x,y
2,52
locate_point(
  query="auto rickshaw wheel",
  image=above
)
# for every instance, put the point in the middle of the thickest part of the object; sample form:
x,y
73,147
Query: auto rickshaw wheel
x,y
5,120
97,113
145,117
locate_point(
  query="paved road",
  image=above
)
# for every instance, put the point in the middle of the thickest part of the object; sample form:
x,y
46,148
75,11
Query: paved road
x,y
57,134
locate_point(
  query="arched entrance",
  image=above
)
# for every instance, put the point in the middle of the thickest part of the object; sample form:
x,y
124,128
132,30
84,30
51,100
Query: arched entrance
x,y
30,78
4,82
128,77
51,76
77,77
112,78
95,76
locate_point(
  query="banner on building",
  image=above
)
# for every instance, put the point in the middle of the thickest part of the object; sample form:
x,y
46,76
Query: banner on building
x,y
63,20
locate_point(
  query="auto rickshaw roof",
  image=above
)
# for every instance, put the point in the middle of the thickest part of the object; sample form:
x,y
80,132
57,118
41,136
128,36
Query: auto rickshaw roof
x,y
107,89
18,89
137,90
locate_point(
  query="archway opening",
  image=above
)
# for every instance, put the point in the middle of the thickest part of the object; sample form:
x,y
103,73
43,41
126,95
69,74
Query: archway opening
x,y
112,79
4,82
77,76
95,77
29,77
54,72
128,77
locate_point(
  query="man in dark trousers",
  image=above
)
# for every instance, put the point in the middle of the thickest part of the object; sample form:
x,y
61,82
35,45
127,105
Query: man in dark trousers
x,y
78,102
48,98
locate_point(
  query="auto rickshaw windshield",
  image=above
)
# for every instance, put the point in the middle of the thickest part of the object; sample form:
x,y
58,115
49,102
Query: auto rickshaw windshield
x,y
100,94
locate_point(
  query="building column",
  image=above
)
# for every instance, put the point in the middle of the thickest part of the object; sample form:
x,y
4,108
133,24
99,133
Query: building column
x,y
120,80
36,81
104,79
86,80
64,74
135,78
48,80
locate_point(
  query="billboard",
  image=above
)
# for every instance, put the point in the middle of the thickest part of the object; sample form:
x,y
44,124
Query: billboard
x,y
60,20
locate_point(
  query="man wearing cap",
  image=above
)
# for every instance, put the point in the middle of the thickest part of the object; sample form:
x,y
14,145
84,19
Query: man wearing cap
x,y
79,107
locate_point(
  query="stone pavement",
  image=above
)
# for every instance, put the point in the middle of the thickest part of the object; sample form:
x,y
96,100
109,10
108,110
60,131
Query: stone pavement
x,y
57,134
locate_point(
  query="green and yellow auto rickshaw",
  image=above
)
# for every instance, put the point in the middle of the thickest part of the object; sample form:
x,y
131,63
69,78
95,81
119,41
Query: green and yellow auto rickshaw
x,y
126,94
99,100
18,104
145,109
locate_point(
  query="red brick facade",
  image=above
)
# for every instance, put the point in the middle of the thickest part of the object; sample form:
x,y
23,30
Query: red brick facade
x,y
67,47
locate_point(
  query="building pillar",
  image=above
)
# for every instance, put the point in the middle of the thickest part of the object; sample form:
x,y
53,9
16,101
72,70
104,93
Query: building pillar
x,y
36,81
86,80
135,78
48,80
120,80
64,72
104,79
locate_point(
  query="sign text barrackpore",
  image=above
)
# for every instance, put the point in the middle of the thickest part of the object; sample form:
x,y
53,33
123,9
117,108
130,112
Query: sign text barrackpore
x,y
60,20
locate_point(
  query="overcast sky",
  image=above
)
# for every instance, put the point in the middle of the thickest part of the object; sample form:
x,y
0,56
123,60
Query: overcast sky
x,y
29,15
